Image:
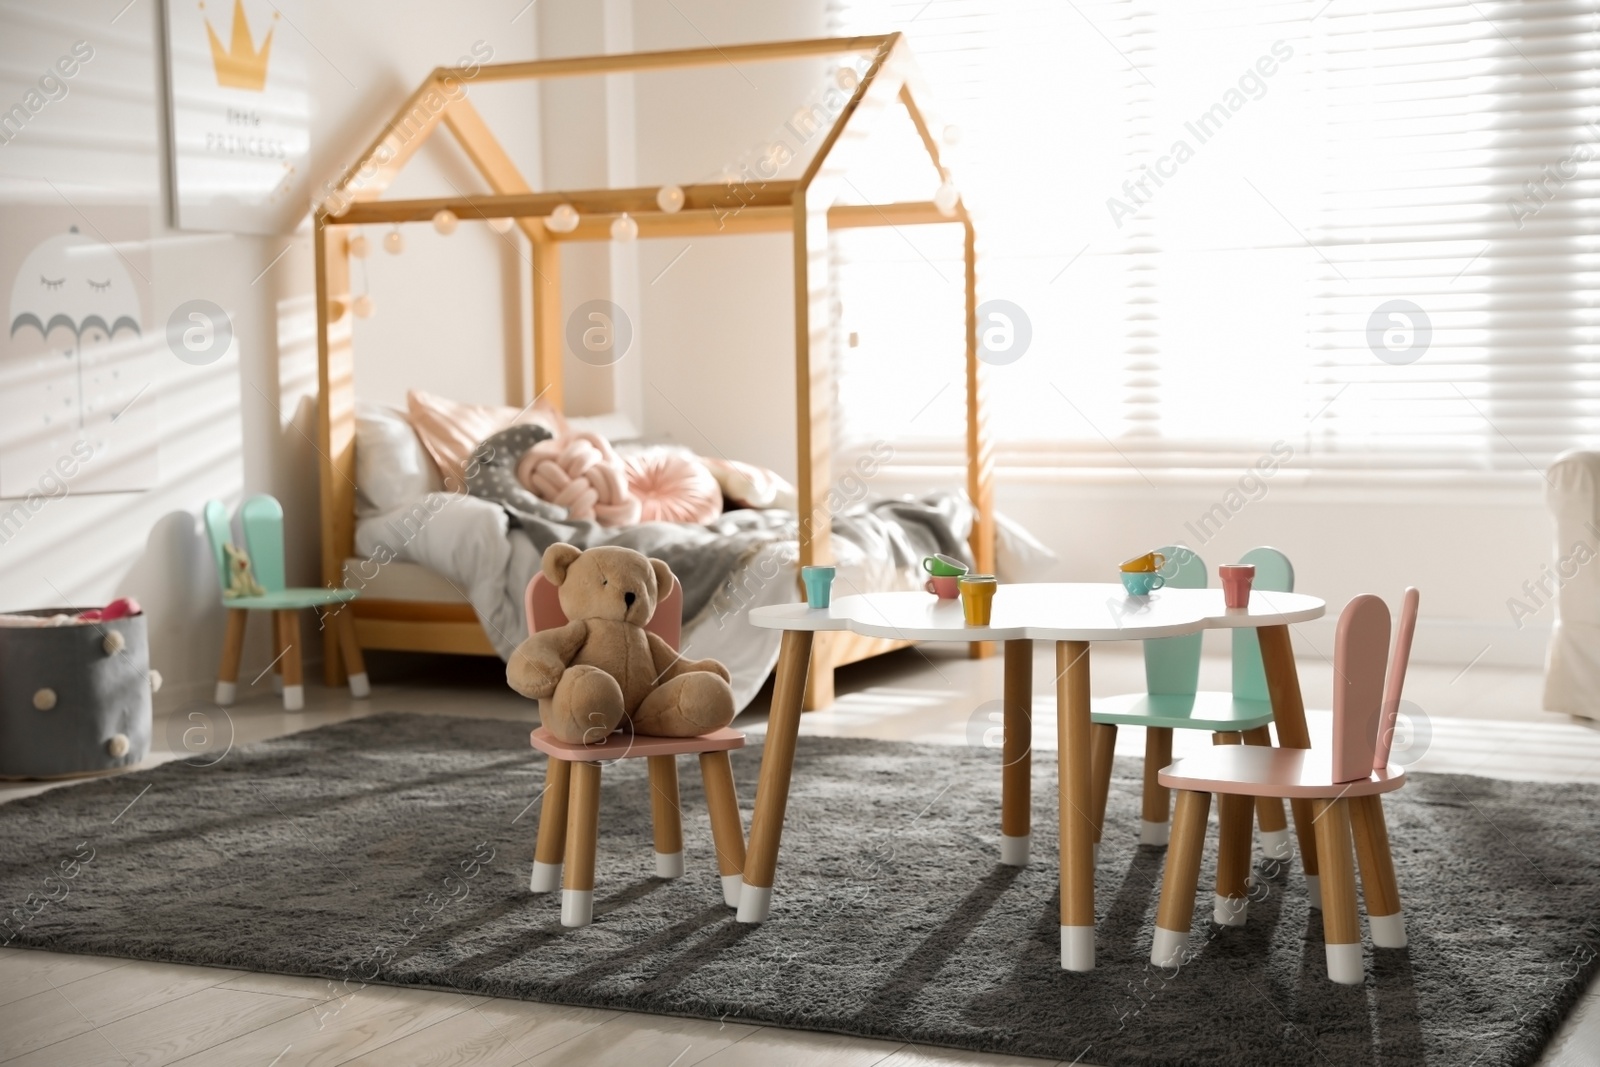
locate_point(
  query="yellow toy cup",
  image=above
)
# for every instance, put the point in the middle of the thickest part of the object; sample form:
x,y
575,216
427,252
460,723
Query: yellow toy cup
x,y
977,597
1150,561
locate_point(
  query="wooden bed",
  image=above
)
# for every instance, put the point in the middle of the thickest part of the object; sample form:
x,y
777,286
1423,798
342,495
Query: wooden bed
x,y
807,207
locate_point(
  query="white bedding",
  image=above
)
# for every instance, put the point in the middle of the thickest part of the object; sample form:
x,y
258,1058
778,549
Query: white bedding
x,y
464,540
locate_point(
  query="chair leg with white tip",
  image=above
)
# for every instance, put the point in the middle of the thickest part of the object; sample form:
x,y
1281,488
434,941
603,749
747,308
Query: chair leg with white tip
x,y
1233,859
1341,924
1379,887
1175,912
1154,829
583,832
727,827
294,690
1270,817
350,651
232,652
666,816
552,840
1102,745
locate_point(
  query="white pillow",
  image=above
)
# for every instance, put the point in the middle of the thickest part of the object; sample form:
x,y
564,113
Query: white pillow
x,y
392,467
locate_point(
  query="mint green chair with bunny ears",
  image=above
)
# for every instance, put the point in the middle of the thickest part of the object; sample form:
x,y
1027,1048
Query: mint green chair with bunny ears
x,y
1172,701
253,579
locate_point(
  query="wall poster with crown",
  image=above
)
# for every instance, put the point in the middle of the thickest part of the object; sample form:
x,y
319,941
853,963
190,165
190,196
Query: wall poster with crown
x,y
240,114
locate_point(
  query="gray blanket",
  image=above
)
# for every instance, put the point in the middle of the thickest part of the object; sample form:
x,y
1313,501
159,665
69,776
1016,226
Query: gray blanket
x,y
705,557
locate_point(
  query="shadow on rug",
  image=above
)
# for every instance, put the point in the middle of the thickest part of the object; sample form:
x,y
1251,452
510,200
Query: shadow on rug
x,y
396,849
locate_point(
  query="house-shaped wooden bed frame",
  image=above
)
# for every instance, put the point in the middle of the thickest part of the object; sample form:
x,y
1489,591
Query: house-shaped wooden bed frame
x,y
808,207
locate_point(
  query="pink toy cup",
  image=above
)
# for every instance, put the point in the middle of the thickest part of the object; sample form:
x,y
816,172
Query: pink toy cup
x,y
1236,579
945,587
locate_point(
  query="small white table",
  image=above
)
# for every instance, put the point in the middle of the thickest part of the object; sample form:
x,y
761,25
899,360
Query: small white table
x,y
1073,616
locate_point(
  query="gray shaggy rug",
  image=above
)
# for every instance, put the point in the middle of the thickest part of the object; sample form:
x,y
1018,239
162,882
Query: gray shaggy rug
x,y
396,849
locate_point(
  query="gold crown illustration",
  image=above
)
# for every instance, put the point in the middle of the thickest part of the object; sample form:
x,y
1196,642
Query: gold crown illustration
x,y
240,66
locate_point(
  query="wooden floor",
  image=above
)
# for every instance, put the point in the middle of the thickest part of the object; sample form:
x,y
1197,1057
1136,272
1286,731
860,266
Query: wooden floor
x,y
64,1010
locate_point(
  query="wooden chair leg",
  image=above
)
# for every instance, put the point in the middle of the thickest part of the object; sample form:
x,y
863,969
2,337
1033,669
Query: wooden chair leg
x,y
355,667
666,815
1016,753
583,831
727,829
1341,924
277,653
1102,746
1153,827
232,653
1233,859
294,690
552,828
1227,737
1270,819
1305,830
1379,888
1175,912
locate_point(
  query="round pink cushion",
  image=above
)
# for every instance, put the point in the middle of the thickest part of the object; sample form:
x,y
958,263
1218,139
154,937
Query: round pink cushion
x,y
672,487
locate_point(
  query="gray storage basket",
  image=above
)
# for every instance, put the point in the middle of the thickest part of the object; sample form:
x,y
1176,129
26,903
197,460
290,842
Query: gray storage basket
x,y
99,719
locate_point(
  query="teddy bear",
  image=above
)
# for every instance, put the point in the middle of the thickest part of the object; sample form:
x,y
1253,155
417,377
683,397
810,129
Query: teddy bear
x,y
603,667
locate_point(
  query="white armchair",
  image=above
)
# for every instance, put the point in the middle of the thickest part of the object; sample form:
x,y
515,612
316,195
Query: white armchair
x,y
1572,669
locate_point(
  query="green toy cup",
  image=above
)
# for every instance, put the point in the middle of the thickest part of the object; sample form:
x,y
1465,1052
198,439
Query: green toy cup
x,y
941,566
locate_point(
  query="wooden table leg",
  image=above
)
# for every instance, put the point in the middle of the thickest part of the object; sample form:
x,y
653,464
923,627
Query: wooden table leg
x,y
1017,755
1289,712
1076,815
772,788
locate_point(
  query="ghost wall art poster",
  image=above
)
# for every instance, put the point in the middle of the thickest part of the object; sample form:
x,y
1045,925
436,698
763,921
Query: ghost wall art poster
x,y
240,115
80,358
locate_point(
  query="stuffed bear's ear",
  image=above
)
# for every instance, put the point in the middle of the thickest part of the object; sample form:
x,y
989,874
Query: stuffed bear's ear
x,y
663,579
557,558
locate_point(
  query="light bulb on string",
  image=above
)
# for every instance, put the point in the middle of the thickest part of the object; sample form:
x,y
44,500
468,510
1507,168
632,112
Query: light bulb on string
x,y
624,228
564,219
445,222
393,242
670,199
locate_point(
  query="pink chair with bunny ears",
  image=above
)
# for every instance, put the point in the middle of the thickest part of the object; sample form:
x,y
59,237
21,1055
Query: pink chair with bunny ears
x,y
569,820
1345,783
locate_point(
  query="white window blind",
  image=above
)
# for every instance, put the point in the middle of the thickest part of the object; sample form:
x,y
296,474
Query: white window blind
x,y
1369,231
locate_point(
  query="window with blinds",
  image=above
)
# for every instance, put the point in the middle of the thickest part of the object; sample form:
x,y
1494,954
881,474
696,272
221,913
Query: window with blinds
x,y
1366,231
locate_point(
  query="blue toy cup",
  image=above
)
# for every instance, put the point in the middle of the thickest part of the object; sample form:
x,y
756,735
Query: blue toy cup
x,y
1142,583
819,585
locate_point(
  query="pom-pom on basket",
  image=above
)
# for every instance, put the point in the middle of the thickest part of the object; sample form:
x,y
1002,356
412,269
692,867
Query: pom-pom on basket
x,y
74,698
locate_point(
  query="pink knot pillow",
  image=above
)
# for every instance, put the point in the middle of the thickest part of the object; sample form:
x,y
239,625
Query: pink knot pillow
x,y
581,473
673,487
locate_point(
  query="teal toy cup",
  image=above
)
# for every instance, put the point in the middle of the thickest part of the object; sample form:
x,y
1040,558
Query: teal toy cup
x,y
1142,583
819,585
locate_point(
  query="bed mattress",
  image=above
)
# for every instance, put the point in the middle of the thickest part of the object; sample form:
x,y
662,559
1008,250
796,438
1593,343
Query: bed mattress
x,y
447,548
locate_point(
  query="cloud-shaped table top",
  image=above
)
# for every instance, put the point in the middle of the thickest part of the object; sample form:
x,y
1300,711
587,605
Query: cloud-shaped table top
x,y
1074,611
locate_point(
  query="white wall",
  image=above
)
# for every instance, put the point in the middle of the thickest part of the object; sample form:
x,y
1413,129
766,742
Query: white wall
x,y
245,424
719,377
